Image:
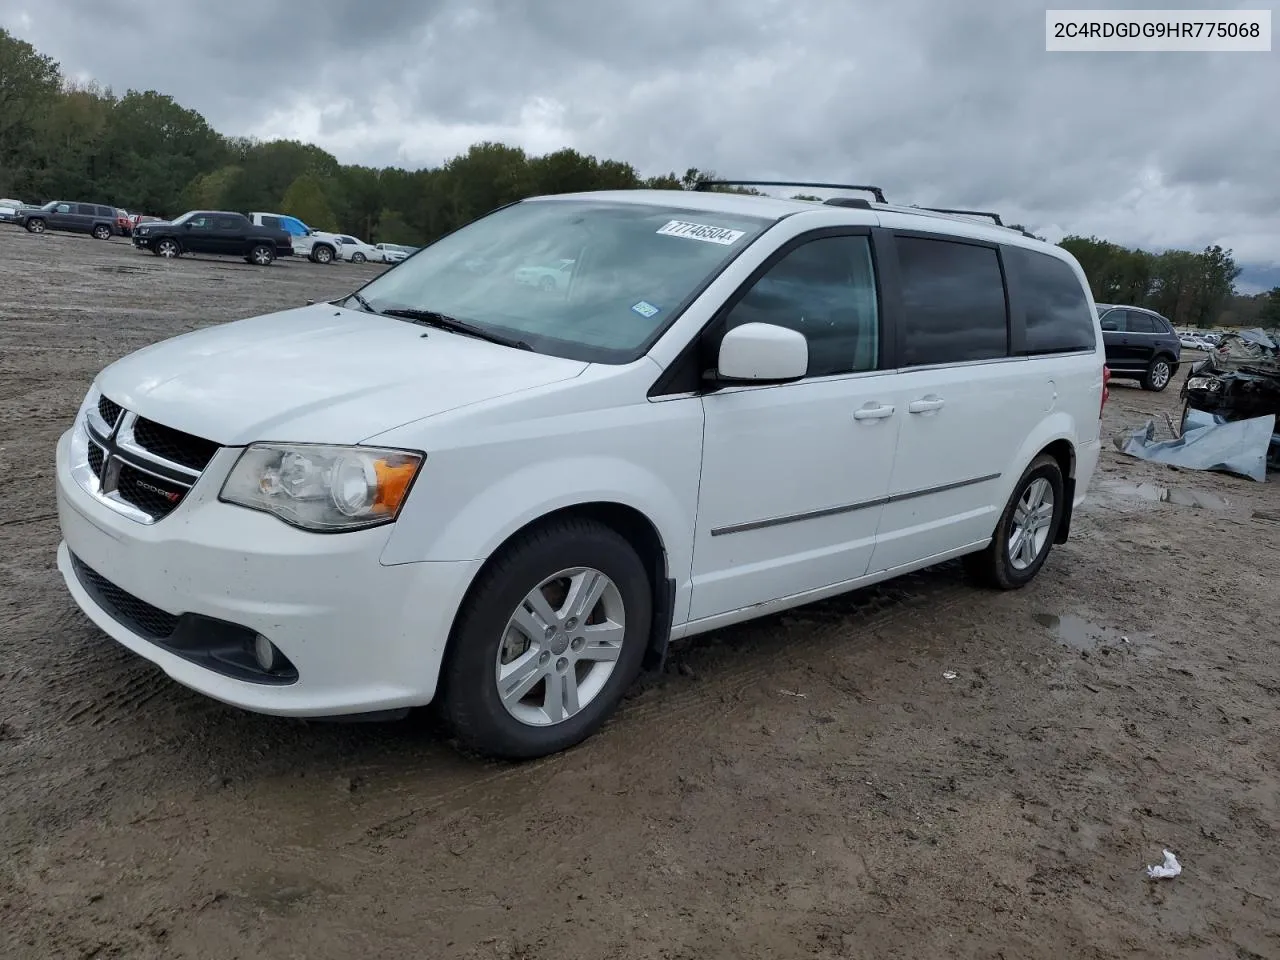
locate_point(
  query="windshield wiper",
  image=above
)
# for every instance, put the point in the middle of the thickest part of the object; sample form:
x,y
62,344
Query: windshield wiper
x,y
364,304
433,318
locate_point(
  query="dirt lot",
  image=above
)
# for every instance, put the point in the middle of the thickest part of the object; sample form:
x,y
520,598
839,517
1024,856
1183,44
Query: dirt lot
x,y
810,785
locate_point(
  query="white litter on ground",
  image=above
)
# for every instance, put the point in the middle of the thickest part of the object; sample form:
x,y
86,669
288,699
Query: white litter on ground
x,y
949,675
1170,868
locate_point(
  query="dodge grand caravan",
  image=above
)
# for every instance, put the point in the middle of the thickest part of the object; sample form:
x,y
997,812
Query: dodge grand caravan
x,y
451,487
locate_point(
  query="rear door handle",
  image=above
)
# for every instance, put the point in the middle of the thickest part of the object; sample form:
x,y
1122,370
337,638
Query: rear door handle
x,y
873,411
925,404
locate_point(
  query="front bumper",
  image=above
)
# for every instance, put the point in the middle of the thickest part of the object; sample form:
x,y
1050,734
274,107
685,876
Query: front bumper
x,y
363,637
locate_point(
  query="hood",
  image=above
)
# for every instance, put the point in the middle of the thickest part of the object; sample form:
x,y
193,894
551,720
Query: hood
x,y
318,374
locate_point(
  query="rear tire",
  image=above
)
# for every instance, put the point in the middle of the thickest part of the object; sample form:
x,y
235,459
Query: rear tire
x,y
358,258
1030,520
261,255
1158,375
535,719
101,232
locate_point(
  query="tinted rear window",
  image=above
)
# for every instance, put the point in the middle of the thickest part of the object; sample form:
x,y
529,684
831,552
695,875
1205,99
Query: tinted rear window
x,y
954,301
1058,315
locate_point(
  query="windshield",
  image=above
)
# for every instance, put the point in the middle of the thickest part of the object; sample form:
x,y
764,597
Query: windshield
x,y
185,217
586,279
50,205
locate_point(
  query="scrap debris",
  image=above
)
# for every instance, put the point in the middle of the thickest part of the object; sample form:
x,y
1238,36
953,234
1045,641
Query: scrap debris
x,y
1170,868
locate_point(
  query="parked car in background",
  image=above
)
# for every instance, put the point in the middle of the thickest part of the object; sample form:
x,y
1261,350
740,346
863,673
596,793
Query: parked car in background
x,y
553,277
354,250
71,216
316,245
140,218
1141,345
9,210
214,231
393,252
124,222
741,405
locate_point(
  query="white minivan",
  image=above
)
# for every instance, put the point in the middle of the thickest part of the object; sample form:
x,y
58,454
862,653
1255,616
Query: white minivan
x,y
450,487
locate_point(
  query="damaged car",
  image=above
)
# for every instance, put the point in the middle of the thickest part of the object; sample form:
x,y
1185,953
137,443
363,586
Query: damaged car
x,y
1239,380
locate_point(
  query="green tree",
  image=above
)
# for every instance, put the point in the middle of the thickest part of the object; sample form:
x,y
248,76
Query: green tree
x,y
392,228
30,84
1270,312
306,200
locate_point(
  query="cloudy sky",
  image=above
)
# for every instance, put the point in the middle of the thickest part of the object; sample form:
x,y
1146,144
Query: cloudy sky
x,y
941,102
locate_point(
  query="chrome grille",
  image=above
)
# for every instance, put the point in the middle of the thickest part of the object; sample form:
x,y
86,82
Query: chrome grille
x,y
138,467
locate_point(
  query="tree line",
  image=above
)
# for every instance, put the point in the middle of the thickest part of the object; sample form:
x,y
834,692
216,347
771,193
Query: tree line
x,y
149,154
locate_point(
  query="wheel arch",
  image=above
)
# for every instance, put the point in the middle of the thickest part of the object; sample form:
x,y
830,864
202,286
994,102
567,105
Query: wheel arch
x,y
643,536
1055,436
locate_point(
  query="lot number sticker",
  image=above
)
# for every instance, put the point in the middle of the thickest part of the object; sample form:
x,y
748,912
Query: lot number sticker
x,y
645,309
700,231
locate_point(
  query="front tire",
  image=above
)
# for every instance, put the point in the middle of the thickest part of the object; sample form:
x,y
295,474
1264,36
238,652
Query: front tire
x,y
322,254
1026,531
1158,375
101,233
167,249
549,639
35,226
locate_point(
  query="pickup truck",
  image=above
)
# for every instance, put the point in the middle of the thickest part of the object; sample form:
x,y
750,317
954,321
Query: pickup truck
x,y
316,245
213,231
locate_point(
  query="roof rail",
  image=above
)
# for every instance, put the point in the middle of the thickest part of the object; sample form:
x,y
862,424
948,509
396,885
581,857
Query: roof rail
x,y
874,191
967,213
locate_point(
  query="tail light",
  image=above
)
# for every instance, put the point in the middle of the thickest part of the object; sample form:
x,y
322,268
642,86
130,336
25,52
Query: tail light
x,y
1106,389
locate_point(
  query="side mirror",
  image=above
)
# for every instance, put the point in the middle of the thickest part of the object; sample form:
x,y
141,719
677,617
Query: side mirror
x,y
763,352
187,225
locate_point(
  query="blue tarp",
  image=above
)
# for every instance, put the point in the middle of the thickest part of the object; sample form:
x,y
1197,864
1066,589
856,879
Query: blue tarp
x,y
1208,443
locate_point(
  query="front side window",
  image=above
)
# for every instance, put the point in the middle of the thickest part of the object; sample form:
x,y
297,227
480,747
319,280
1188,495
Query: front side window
x,y
63,208
1058,316
1113,321
201,222
954,302
825,289
634,267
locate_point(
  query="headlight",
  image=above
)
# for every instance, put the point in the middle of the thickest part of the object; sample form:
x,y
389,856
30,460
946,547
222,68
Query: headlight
x,y
1203,383
322,488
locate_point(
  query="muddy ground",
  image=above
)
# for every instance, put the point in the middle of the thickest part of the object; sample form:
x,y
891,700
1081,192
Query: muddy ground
x,y
810,785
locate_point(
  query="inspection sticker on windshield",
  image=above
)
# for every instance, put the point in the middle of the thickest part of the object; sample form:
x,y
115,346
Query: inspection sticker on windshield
x,y
645,308
700,231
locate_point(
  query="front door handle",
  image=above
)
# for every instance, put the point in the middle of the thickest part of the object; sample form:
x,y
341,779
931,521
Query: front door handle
x,y
925,404
873,411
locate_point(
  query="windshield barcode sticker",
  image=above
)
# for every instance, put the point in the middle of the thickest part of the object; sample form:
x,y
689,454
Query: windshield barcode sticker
x,y
700,231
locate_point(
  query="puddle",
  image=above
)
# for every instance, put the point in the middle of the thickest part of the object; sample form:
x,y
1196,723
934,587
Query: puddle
x,y
1079,634
1155,493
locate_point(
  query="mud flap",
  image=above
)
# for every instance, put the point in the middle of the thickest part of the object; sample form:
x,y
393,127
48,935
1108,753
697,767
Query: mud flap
x,y
655,657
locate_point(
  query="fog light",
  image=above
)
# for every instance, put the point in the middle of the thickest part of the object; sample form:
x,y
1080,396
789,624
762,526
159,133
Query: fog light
x,y
265,652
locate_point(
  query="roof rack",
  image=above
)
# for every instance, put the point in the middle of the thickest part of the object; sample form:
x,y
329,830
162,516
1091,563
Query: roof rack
x,y
874,191
967,213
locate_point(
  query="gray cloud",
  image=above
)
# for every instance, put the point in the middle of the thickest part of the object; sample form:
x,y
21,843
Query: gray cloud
x,y
939,102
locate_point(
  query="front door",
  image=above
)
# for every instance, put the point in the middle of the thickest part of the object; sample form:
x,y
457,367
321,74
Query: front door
x,y
199,234
794,475
64,217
